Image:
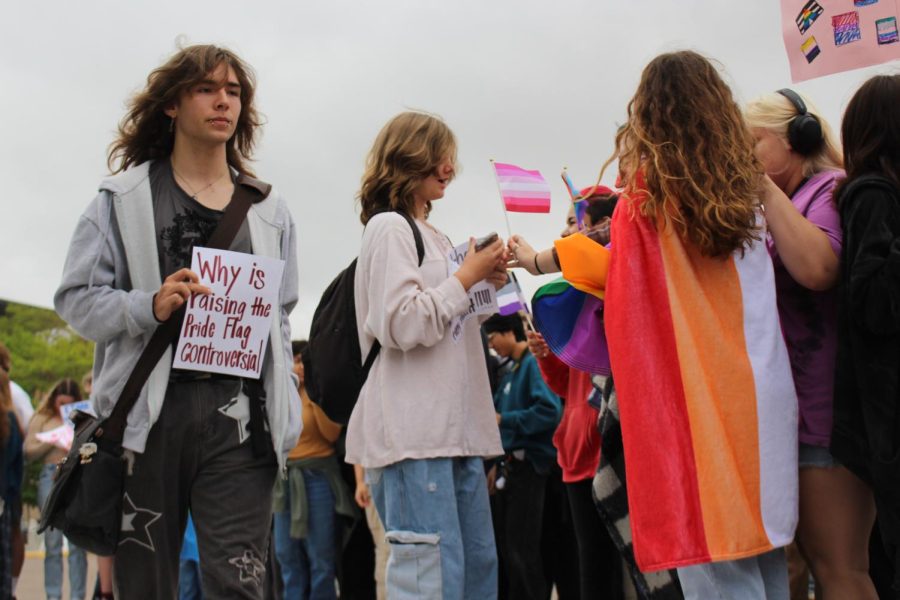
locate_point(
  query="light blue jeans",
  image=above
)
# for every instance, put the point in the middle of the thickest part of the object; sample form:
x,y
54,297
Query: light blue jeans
x,y
762,577
437,519
53,542
307,565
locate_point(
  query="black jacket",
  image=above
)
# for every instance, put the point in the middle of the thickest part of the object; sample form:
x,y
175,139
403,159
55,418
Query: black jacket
x,y
866,434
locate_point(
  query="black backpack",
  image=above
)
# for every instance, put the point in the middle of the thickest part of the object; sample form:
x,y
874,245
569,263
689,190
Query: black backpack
x,y
337,372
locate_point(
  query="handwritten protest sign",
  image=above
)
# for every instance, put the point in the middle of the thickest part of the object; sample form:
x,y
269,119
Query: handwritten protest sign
x,y
822,38
226,331
482,295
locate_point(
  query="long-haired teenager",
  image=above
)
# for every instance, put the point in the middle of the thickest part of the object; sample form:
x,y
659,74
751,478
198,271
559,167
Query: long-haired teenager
x,y
803,165
424,418
866,434
707,403
181,153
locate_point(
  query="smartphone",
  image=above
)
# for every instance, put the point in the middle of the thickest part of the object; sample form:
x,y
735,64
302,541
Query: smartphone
x,y
483,242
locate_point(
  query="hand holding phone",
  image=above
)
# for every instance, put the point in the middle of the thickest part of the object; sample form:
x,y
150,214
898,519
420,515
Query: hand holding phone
x,y
483,242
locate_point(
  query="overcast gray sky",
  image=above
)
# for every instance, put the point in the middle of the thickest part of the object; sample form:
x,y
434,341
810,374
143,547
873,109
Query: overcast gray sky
x,y
540,84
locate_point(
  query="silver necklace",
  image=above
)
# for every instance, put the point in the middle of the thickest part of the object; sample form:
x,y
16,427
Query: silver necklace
x,y
196,193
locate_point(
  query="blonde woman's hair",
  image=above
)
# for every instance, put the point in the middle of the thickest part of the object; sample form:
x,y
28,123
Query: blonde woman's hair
x,y
774,113
407,150
687,157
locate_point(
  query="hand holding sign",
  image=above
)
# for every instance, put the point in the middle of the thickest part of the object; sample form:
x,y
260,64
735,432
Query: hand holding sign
x,y
479,265
175,291
482,293
225,331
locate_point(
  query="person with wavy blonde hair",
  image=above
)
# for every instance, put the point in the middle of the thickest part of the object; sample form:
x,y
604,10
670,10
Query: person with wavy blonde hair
x,y
425,418
404,154
803,165
706,398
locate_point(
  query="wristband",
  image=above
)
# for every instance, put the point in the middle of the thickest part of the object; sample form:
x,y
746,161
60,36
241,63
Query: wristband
x,y
536,267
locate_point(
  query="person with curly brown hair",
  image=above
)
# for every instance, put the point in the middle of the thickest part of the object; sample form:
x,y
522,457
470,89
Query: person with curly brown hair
x,y
706,398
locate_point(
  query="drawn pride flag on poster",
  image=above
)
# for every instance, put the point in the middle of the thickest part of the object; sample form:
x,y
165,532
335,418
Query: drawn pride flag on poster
x,y
522,190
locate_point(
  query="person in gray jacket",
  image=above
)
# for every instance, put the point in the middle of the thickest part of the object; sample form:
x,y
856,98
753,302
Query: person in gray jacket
x,y
176,160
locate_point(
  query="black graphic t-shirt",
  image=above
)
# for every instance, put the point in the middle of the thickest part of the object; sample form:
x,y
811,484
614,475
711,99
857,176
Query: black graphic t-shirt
x,y
182,222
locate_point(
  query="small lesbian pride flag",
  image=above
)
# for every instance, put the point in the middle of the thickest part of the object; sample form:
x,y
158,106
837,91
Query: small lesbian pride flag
x,y
522,190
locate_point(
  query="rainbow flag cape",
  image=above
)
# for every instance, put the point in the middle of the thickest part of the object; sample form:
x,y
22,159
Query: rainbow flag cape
x,y
706,396
571,322
522,190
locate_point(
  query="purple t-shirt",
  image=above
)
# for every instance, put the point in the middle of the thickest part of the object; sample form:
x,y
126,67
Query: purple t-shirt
x,y
809,318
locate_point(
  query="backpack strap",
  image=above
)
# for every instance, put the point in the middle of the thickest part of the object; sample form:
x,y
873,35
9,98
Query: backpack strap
x,y
247,191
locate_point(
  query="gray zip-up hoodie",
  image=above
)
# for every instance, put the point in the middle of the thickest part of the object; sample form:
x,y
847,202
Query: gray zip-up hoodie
x,y
106,295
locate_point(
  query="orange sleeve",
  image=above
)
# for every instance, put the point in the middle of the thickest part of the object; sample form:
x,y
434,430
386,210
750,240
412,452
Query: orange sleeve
x,y
584,263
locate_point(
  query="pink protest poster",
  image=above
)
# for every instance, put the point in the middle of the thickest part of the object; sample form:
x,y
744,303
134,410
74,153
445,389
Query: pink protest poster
x,y
829,36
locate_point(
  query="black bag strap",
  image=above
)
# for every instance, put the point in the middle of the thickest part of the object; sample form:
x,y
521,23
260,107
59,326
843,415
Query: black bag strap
x,y
247,191
420,251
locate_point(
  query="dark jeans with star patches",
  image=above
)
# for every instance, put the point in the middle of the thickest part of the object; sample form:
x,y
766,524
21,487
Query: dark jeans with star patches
x,y
198,458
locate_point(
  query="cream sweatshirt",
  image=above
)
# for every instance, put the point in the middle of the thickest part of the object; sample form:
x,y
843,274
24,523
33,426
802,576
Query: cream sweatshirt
x,y
427,395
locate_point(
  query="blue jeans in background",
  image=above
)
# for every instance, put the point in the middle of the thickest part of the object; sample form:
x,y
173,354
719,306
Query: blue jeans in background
x,y
437,519
53,542
307,564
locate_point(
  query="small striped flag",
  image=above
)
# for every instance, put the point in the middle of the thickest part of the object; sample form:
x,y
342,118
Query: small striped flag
x,y
510,299
522,190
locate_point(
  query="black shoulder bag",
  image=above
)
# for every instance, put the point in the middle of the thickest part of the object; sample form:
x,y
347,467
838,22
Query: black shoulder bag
x,y
85,502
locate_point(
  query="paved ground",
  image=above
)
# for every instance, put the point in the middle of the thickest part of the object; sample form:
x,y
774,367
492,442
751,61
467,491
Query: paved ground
x,y
31,583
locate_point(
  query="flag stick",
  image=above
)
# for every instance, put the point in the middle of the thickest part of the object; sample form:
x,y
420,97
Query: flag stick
x,y
573,194
502,203
524,302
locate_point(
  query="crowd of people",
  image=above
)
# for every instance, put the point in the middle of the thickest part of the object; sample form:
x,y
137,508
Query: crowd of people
x,y
746,274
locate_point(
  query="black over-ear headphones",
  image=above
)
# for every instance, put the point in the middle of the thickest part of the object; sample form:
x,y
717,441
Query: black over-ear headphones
x,y
804,130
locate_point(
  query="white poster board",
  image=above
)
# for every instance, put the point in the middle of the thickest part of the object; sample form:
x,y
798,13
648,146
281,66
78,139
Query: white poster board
x,y
66,410
226,331
482,295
